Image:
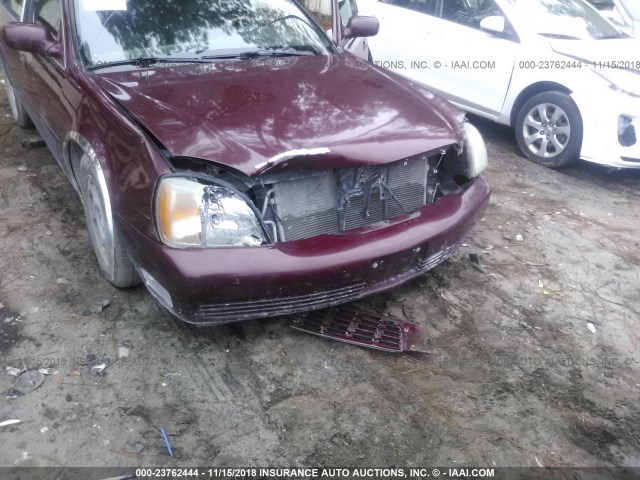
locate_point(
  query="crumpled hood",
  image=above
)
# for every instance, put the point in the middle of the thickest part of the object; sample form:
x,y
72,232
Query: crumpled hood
x,y
249,114
603,51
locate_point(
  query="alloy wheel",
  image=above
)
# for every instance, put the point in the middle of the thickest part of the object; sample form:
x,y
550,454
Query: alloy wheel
x,y
546,130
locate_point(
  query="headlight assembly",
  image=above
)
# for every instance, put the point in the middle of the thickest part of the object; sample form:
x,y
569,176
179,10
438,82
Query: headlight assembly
x,y
476,151
190,214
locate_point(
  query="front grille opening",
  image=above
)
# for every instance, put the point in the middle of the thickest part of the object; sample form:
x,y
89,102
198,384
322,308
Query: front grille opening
x,y
300,205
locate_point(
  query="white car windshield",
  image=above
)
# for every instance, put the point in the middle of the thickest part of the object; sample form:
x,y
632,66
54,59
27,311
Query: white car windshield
x,y
117,31
564,19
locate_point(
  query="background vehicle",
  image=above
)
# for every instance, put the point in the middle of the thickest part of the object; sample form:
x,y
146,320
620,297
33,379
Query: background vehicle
x,y
625,14
562,76
235,160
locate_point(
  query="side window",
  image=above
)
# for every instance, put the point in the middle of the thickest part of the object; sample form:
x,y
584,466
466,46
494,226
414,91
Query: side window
x,y
348,8
468,12
423,6
49,14
14,6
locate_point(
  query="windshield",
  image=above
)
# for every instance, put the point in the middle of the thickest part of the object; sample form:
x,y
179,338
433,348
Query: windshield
x,y
632,7
121,30
564,19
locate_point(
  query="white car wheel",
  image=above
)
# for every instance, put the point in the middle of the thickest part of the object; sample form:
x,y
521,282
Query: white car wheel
x,y
549,129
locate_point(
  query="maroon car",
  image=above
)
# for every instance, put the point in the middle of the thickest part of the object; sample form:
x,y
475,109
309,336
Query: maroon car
x,y
234,158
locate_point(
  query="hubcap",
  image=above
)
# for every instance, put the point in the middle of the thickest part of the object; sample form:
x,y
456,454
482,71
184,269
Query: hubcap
x,y
98,225
546,130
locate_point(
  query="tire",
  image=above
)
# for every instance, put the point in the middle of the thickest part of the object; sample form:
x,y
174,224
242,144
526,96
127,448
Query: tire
x,y
20,116
106,237
549,129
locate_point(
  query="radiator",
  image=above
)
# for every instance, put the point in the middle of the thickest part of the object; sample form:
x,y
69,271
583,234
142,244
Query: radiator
x,y
331,201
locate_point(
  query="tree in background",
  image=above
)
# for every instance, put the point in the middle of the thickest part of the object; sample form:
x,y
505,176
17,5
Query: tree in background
x,y
322,7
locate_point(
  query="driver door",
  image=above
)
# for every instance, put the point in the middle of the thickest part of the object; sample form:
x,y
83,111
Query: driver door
x,y
44,80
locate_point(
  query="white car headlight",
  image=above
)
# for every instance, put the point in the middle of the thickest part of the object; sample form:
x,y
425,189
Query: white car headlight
x,y
621,80
476,151
190,214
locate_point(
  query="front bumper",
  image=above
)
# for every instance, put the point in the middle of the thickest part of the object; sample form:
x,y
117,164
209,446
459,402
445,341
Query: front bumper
x,y
220,285
602,142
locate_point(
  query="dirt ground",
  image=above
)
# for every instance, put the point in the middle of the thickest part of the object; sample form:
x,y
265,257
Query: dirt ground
x,y
535,362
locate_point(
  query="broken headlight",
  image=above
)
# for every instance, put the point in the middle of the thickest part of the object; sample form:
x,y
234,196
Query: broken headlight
x,y
190,214
476,151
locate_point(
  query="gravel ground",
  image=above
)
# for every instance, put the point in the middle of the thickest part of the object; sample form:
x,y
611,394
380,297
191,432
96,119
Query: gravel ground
x,y
534,362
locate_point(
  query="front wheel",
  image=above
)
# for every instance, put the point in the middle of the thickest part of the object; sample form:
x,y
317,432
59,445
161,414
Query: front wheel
x,y
20,115
105,234
549,129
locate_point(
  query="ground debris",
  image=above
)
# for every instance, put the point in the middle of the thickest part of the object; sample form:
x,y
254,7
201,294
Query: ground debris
x,y
98,364
99,306
13,371
6,423
474,259
166,442
29,381
13,393
98,368
33,142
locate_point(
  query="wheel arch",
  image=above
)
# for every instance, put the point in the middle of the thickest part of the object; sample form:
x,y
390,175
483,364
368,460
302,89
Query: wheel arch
x,y
73,154
529,92
77,147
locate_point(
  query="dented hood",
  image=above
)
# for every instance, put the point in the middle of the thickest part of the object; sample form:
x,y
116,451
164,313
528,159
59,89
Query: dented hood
x,y
251,114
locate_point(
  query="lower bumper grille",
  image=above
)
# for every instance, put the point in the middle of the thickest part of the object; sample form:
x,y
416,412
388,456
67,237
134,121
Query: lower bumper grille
x,y
216,313
348,324
220,312
440,256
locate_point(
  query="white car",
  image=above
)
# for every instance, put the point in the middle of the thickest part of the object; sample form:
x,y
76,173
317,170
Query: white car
x,y
561,75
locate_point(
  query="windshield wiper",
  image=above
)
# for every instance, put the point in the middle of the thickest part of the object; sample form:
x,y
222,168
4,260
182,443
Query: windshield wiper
x,y
266,52
144,62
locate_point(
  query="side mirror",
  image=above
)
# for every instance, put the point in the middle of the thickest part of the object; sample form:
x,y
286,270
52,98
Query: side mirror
x,y
494,24
32,38
361,27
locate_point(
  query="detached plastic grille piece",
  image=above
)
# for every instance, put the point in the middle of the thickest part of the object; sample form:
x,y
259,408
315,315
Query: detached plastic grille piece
x,y
350,325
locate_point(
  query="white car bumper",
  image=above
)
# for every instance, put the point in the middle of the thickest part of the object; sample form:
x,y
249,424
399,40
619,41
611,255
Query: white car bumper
x,y
611,122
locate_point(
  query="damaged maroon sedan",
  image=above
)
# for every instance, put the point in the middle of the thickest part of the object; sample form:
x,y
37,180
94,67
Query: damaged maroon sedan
x,y
236,160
